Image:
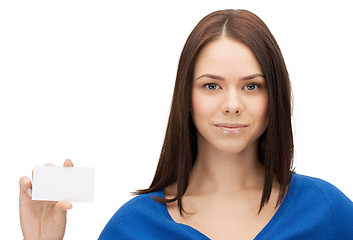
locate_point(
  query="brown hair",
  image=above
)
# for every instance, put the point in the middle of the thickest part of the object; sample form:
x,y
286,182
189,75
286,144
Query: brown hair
x,y
275,148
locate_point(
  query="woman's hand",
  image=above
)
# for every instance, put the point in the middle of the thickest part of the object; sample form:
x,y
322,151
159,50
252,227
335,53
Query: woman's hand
x,y
42,219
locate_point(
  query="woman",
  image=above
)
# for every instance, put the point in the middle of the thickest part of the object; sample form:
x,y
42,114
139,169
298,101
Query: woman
x,y
225,169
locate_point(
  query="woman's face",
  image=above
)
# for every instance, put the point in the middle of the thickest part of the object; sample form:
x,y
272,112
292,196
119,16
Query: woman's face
x,y
229,97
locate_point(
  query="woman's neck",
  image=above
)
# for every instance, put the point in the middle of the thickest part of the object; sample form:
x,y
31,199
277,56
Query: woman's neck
x,y
223,173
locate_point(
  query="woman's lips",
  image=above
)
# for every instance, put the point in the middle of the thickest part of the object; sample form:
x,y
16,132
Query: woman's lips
x,y
231,128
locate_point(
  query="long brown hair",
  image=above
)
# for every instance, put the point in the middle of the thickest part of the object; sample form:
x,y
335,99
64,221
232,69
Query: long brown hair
x,y
275,148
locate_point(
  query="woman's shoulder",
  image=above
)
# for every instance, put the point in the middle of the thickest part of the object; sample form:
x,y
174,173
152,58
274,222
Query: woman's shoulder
x,y
308,185
316,201
142,204
136,216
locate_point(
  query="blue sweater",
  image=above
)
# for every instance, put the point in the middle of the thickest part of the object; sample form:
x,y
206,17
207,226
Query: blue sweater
x,y
312,209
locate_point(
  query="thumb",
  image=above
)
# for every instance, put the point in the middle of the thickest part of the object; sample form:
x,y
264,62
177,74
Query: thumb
x,y
60,211
25,189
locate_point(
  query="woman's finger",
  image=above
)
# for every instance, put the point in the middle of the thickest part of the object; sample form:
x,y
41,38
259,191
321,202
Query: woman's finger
x,y
63,205
25,188
68,163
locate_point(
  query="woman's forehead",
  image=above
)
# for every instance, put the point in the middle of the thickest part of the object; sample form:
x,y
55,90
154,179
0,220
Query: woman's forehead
x,y
226,57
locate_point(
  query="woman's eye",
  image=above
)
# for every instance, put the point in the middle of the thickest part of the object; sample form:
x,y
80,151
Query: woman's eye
x,y
251,86
212,86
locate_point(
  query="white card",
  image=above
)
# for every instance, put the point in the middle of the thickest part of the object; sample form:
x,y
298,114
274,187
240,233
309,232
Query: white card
x,y
63,183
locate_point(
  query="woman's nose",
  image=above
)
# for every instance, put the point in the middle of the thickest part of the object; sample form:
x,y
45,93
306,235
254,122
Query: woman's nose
x,y
232,103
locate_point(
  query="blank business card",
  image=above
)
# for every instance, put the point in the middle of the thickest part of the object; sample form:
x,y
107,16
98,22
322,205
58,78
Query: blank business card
x,y
63,183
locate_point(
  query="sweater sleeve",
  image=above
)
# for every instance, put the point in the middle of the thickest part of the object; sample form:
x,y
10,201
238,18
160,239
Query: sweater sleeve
x,y
341,209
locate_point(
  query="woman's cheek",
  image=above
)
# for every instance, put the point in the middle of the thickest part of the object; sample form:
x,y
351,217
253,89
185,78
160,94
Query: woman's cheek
x,y
258,108
203,106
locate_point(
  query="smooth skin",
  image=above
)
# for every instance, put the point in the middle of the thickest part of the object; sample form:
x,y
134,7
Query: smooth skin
x,y
226,181
42,219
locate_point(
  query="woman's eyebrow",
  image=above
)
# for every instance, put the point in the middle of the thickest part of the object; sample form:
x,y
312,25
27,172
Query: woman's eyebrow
x,y
252,76
216,77
208,75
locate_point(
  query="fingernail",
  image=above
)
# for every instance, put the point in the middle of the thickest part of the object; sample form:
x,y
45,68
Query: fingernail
x,y
29,191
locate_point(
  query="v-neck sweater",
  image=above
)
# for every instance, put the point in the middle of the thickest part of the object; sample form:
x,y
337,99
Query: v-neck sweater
x,y
312,209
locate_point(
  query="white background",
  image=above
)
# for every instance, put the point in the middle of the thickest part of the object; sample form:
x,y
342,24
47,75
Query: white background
x,y
93,82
